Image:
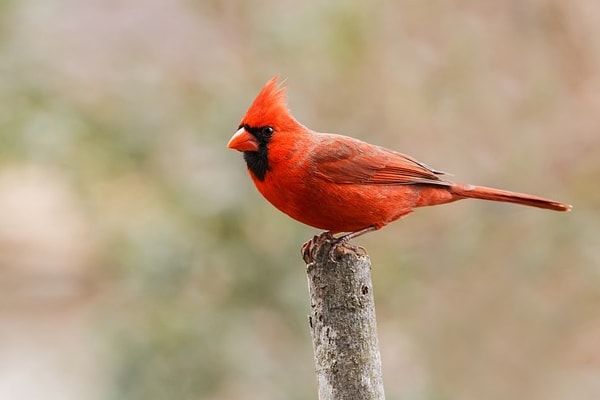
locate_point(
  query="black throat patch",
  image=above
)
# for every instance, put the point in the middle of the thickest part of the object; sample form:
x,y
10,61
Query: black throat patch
x,y
258,161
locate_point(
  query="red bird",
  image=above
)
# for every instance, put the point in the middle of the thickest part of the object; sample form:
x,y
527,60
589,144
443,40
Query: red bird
x,y
339,183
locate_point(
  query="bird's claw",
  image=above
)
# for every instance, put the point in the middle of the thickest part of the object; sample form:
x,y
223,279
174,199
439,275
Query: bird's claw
x,y
337,247
310,249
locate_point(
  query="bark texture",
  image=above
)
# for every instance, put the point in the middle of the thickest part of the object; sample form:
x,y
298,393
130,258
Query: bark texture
x,y
342,322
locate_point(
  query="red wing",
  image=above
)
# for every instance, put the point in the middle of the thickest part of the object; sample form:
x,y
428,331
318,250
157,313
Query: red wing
x,y
345,160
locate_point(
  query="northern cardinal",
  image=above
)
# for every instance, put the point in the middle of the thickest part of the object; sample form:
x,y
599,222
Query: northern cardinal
x,y
339,183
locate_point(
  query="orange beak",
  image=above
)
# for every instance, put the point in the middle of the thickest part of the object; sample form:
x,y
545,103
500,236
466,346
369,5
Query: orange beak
x,y
243,141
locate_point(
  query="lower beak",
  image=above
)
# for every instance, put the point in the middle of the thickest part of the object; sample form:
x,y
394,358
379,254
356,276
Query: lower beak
x,y
243,141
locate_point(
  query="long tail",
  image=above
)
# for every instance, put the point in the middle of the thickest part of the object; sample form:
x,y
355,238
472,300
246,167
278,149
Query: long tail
x,y
485,193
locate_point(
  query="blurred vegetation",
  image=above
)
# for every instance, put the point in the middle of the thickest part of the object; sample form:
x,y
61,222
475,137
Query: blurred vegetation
x,y
186,284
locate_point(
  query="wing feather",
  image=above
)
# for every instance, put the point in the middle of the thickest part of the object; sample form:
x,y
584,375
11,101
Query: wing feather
x,y
345,160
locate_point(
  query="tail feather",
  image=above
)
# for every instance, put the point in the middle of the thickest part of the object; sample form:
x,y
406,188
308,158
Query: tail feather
x,y
485,193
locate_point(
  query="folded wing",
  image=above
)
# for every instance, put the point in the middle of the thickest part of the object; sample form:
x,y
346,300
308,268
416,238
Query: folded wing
x,y
345,160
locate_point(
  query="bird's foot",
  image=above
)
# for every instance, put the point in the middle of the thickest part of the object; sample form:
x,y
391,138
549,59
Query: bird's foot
x,y
337,247
341,245
311,248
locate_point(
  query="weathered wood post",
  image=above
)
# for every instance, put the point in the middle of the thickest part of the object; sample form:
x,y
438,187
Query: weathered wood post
x,y
342,322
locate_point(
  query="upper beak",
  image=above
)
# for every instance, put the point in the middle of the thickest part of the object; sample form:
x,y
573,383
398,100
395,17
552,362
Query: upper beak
x,y
243,141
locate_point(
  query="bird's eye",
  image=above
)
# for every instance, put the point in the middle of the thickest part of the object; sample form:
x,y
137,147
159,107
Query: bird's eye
x,y
267,131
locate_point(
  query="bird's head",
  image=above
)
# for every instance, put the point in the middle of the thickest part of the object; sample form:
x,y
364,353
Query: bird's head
x,y
267,120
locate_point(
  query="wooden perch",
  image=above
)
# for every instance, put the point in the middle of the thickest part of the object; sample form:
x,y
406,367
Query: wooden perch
x,y
342,322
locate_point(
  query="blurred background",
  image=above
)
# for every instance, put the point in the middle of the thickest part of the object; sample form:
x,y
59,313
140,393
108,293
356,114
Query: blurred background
x,y
137,260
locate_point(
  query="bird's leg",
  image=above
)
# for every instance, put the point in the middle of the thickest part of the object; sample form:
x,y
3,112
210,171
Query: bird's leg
x,y
344,239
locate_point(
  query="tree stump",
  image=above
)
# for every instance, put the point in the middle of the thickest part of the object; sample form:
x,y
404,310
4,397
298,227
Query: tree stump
x,y
342,321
